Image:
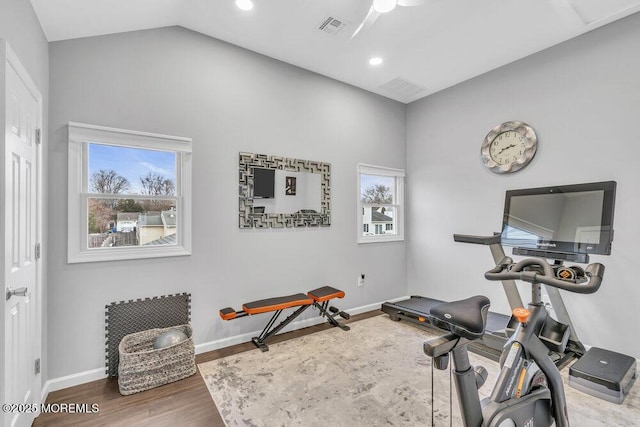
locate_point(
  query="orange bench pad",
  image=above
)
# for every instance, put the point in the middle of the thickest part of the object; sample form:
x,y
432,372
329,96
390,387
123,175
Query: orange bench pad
x,y
278,303
228,313
325,293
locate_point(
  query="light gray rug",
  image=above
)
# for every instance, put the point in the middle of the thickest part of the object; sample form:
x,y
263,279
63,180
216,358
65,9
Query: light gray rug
x,y
374,375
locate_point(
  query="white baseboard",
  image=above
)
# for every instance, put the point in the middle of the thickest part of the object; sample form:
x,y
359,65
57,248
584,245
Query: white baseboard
x,y
56,384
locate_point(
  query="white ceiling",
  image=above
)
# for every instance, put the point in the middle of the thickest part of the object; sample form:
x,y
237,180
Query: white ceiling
x,y
425,48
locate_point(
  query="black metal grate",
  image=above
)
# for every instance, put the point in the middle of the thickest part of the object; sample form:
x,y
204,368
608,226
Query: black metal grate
x,y
126,317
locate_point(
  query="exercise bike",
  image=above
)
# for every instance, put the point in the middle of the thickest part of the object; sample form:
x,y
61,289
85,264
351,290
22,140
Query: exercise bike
x,y
529,390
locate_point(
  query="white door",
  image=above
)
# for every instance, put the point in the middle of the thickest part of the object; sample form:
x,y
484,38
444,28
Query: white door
x,y
20,115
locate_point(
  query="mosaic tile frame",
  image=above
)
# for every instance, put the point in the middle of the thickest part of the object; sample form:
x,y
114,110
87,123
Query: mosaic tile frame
x,y
249,219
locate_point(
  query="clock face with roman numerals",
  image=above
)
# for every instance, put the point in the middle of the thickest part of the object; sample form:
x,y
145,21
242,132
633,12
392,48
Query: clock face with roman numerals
x,y
509,147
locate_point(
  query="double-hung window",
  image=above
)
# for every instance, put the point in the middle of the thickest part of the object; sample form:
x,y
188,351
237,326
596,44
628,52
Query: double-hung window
x,y
380,204
129,194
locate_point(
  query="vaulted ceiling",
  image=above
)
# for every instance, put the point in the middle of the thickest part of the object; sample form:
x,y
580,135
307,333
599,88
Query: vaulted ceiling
x,y
424,48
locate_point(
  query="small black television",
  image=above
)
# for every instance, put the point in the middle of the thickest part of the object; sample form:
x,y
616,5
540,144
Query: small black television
x,y
263,183
558,222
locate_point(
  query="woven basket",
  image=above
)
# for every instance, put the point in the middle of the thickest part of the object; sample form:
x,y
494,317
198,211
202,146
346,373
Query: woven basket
x,y
142,367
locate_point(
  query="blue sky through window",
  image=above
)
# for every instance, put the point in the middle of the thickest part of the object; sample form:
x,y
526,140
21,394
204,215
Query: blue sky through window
x,y
132,163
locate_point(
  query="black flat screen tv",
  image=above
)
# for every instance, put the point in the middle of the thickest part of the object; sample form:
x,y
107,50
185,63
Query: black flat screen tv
x,y
263,183
568,219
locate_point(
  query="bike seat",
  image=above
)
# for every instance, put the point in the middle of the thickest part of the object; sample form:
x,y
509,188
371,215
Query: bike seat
x,y
466,318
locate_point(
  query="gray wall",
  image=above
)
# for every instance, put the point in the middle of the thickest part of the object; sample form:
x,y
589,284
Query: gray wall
x,y
177,82
583,98
20,27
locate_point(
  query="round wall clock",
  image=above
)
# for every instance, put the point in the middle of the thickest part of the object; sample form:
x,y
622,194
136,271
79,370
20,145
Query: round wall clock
x,y
509,147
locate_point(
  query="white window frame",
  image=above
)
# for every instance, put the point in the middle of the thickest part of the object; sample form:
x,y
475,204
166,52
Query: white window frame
x,y
80,136
398,203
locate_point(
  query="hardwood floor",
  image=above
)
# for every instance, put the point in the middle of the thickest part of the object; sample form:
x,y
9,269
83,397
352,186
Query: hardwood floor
x,y
185,403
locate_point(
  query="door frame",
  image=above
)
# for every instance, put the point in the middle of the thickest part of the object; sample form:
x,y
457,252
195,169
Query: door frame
x,y
9,57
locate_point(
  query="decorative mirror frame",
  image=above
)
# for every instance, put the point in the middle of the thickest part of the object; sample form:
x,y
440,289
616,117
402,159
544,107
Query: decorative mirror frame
x,y
249,219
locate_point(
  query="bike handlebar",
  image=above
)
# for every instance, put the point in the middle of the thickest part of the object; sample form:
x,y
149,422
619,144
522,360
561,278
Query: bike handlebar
x,y
507,270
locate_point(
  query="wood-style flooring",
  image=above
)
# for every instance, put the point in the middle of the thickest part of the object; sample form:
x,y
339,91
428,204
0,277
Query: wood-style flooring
x,y
185,403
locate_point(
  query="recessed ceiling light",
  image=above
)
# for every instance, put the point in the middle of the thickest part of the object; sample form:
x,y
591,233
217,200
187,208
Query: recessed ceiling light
x,y
375,61
244,4
384,6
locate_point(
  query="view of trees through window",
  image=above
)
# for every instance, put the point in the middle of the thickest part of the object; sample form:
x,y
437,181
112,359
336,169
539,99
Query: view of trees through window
x,y
132,196
377,193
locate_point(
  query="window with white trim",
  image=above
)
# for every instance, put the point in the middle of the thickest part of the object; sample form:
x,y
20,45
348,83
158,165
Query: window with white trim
x,y
129,194
380,204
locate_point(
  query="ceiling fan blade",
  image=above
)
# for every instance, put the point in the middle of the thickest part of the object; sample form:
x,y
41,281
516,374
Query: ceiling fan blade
x,y
410,2
371,17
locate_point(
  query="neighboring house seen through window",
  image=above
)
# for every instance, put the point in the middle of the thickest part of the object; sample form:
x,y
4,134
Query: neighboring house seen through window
x,y
129,194
380,205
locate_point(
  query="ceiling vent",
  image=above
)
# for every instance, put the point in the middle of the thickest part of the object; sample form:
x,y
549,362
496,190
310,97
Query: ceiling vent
x,y
332,25
402,88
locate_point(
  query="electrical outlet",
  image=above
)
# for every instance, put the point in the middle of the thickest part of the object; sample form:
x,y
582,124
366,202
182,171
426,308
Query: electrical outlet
x,y
361,280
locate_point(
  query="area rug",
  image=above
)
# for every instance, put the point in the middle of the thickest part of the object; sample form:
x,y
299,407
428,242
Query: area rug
x,y
376,374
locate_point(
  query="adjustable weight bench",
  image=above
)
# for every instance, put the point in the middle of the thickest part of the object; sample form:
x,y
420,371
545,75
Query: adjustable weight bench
x,y
318,298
